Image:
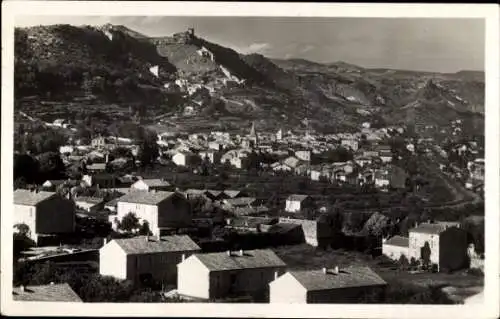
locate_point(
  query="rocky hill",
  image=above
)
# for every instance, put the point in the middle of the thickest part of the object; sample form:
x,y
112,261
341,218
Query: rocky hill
x,y
193,76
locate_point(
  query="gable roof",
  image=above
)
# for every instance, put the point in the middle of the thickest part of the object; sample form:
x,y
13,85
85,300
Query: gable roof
x,y
297,197
30,198
143,245
143,197
431,228
261,258
154,182
52,292
399,241
239,201
232,193
352,276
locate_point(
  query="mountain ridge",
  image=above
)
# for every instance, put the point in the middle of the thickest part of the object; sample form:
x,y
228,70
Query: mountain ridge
x,y
130,66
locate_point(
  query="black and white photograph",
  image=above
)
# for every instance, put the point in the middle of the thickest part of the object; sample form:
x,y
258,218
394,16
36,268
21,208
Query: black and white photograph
x,y
249,160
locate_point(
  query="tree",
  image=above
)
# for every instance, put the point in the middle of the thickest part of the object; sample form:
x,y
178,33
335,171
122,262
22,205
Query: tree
x,y
148,148
51,166
144,229
129,223
25,167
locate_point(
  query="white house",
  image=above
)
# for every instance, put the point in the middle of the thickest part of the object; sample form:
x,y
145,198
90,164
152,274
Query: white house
x,y
45,213
162,210
89,204
184,158
303,155
218,275
395,247
145,257
295,203
337,285
350,143
151,184
441,243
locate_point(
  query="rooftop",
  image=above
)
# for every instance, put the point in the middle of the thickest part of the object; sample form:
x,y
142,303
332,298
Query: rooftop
x,y
30,198
353,276
143,197
398,241
432,228
240,201
52,292
155,182
262,258
145,245
95,200
297,197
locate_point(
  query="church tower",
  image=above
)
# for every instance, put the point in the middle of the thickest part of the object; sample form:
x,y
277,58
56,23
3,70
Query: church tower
x,y
253,136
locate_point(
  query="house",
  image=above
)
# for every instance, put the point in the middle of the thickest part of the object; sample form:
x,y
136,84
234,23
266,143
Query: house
x,y
350,144
215,146
316,232
224,274
89,204
96,167
185,159
162,210
228,193
112,204
440,243
155,184
53,184
214,195
295,203
337,285
98,142
60,292
66,149
382,179
303,155
395,247
385,156
292,162
231,203
145,258
45,213
278,167
212,156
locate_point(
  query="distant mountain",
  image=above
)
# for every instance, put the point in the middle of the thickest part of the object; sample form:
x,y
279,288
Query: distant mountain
x,y
117,64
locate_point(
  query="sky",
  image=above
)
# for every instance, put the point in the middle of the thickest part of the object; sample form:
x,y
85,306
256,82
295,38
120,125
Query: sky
x,y
425,44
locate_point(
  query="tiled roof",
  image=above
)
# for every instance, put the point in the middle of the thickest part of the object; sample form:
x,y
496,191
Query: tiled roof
x,y
430,228
30,198
94,200
53,292
97,166
213,192
297,197
353,276
155,182
232,193
262,258
239,201
193,191
398,241
143,197
140,244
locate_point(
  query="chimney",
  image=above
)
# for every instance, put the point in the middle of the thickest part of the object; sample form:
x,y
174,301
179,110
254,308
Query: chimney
x,y
241,253
51,283
228,252
325,270
276,275
336,270
183,257
22,288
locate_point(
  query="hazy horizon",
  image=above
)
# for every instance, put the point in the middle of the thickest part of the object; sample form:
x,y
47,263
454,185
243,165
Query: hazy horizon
x,y
418,44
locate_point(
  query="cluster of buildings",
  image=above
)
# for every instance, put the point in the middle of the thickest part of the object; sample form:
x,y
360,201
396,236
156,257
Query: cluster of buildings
x,y
178,262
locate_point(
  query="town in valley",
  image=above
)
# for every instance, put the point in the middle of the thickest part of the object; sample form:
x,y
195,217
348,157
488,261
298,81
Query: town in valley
x,y
173,169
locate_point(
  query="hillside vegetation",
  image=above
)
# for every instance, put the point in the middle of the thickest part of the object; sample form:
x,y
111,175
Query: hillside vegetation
x,y
113,64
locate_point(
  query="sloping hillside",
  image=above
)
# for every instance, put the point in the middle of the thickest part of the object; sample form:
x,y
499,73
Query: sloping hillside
x,y
114,63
